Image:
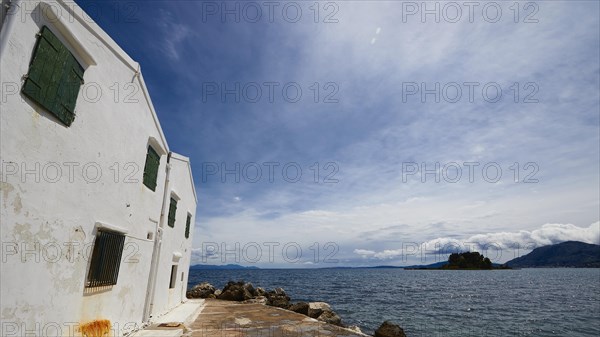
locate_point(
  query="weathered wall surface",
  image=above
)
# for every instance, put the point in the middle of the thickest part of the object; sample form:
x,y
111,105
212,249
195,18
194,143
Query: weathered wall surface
x,y
60,184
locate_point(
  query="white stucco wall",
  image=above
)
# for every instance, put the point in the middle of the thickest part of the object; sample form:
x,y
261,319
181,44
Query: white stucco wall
x,y
49,218
174,242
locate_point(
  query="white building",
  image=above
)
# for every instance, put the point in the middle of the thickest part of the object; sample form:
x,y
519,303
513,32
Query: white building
x,y
95,209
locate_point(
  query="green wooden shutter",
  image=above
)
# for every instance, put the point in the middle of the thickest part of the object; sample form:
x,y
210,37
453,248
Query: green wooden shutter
x,y
54,77
187,226
172,212
151,168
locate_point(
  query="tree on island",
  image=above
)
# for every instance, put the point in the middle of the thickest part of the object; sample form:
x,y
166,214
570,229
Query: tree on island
x,y
468,260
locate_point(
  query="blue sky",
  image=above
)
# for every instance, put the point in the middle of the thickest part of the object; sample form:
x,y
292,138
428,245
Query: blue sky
x,y
368,126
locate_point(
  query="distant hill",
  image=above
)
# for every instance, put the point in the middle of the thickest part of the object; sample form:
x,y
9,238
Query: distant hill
x,y
567,254
222,267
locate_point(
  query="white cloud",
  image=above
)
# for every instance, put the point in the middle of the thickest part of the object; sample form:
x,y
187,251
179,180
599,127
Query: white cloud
x,y
548,234
364,252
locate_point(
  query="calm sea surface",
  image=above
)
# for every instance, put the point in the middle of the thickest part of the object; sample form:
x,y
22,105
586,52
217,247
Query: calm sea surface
x,y
527,302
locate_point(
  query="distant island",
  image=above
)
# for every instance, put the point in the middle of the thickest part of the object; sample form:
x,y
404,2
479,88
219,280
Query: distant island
x,y
470,261
463,261
219,267
569,254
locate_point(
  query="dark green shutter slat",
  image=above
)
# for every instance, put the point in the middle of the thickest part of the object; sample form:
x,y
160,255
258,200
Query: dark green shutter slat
x,y
55,94
151,168
47,34
40,70
67,95
54,77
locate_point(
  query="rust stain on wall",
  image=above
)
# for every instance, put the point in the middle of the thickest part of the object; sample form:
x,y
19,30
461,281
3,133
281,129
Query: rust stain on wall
x,y
97,328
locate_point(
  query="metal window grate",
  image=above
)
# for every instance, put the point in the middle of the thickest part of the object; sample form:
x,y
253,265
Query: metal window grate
x,y
106,259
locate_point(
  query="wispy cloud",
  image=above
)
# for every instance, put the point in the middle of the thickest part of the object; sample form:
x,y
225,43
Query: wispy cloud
x,y
373,128
173,34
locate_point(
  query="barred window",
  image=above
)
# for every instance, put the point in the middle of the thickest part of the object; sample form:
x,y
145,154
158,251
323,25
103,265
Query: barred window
x,y
106,259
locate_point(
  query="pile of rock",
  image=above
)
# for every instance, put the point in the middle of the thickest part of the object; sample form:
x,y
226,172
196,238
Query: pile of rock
x,y
245,292
233,291
202,290
237,291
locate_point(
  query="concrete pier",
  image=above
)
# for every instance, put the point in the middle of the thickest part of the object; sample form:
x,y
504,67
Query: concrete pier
x,y
234,319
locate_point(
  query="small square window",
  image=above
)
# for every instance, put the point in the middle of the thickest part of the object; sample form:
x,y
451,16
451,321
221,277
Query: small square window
x,y
106,259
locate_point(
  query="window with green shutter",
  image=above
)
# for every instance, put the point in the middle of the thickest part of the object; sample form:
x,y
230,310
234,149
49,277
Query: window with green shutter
x,y
187,226
151,168
172,211
54,77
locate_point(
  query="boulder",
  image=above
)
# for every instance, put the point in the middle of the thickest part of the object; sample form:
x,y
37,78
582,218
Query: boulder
x,y
233,285
329,316
202,290
260,291
218,292
355,328
235,291
231,295
257,300
389,329
280,302
315,309
300,307
278,298
250,289
247,294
